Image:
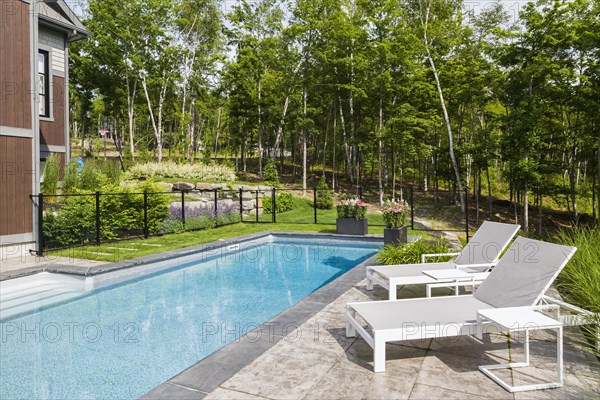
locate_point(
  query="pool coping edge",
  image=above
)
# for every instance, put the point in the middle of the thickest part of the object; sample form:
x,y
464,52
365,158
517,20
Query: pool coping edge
x,y
74,269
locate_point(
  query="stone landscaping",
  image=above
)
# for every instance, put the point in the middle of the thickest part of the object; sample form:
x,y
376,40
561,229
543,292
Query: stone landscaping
x,y
203,194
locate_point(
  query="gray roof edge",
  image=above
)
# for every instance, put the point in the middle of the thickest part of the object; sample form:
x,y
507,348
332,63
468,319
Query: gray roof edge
x,y
71,21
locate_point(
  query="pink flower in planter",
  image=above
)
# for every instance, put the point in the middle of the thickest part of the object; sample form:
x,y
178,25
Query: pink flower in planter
x,y
394,214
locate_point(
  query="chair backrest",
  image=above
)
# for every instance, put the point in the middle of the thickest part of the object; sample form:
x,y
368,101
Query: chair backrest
x,y
488,243
524,273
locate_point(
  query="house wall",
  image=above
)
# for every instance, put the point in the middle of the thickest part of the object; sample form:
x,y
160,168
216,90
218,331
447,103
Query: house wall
x,y
16,123
15,70
16,176
53,132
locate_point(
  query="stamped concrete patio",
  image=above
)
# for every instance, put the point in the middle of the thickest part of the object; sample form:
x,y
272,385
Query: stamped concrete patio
x,y
317,361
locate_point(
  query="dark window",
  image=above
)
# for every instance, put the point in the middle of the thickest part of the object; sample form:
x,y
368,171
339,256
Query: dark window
x,y
44,84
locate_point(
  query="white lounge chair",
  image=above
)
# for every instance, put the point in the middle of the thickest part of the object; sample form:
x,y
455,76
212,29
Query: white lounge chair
x,y
477,257
519,280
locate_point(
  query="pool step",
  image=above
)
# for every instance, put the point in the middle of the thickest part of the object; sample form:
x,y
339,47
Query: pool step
x,y
30,293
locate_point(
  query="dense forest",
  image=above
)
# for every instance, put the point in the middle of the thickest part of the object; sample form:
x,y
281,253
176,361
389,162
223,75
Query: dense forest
x,y
391,91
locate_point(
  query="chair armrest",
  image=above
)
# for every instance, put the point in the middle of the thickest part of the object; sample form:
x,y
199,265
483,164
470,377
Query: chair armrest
x,y
423,256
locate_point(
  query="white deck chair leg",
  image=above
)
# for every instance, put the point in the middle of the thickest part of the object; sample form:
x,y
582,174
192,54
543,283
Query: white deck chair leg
x,y
526,347
350,331
392,291
369,282
559,353
379,355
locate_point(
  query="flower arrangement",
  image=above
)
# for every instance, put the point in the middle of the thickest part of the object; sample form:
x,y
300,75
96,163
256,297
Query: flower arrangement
x,y
394,214
351,208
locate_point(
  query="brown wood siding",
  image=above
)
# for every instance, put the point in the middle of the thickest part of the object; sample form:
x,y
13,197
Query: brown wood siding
x,y
53,132
15,65
16,177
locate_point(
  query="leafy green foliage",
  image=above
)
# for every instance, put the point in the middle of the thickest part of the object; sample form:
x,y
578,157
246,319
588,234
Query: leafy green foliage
x,y
270,174
324,196
74,220
94,175
283,202
50,175
410,253
363,84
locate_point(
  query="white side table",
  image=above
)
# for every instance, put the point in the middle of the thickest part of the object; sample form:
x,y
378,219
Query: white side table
x,y
522,319
452,277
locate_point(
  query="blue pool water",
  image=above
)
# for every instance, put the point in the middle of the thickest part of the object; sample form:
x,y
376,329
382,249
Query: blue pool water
x,y
121,341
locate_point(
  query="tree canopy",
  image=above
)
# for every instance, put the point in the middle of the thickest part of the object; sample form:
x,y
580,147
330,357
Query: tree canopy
x,y
420,91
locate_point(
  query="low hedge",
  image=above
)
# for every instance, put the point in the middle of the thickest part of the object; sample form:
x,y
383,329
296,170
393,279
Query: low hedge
x,y
283,202
73,221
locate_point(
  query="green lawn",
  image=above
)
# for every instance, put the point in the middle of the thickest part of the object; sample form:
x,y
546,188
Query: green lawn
x,y
128,249
300,219
303,213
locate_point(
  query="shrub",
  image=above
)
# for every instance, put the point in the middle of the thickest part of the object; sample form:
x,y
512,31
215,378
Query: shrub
x,y
283,202
169,169
352,208
51,174
270,174
74,221
324,196
410,253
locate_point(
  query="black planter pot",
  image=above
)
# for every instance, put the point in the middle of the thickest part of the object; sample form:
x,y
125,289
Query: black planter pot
x,y
395,236
352,226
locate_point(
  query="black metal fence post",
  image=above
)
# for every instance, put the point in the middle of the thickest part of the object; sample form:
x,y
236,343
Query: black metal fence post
x,y
40,250
183,209
360,194
256,204
315,204
412,209
216,192
97,218
274,202
146,214
241,205
467,214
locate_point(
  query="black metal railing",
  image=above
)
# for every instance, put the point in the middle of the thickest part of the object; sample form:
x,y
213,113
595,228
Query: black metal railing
x,y
92,218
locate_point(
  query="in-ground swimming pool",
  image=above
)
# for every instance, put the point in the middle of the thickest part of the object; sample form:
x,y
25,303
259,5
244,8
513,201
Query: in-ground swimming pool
x,y
122,340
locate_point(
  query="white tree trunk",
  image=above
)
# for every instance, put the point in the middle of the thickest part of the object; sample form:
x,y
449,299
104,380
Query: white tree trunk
x,y
379,148
130,114
156,126
444,110
304,145
217,134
